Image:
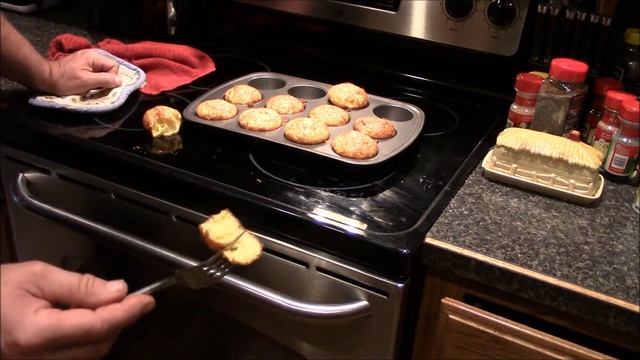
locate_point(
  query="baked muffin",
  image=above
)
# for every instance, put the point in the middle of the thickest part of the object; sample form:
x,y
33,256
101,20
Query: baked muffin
x,y
260,119
306,131
348,96
285,104
219,232
331,115
162,121
355,145
216,109
375,127
243,95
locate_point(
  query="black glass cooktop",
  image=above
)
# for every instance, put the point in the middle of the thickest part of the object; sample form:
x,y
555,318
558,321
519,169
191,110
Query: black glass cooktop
x,y
381,203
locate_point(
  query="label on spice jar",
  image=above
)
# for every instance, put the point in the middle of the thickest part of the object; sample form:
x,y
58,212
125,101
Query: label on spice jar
x,y
589,127
602,140
515,119
591,136
550,113
575,108
529,100
602,145
621,159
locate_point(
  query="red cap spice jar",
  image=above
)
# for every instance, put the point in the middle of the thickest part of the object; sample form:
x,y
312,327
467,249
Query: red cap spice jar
x,y
523,107
568,70
602,85
561,96
573,135
608,124
625,145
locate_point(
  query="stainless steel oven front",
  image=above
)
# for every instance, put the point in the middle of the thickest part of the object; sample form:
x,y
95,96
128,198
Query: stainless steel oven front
x,y
292,303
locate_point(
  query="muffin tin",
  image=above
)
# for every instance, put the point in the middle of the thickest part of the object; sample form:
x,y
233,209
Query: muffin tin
x,y
408,119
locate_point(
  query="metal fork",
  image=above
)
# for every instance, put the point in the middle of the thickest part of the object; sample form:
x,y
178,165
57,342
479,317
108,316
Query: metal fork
x,y
200,276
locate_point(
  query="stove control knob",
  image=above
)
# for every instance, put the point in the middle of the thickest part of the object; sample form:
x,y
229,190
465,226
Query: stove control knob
x,y
458,10
502,13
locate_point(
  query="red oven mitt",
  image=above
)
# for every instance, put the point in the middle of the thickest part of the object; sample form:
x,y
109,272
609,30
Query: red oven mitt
x,y
167,65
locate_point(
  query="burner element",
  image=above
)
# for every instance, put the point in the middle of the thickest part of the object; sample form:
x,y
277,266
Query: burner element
x,y
300,170
439,119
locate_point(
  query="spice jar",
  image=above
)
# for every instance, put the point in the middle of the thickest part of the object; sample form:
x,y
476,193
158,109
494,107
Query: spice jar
x,y
523,107
608,124
625,145
594,113
561,96
573,135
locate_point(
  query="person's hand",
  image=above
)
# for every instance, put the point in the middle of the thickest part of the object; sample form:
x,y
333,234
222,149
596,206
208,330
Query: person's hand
x,y
80,72
33,327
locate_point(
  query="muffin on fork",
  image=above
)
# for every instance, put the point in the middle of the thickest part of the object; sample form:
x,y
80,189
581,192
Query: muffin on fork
x,y
220,229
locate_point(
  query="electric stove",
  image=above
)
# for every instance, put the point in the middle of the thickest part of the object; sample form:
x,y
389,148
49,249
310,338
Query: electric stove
x,y
374,215
342,241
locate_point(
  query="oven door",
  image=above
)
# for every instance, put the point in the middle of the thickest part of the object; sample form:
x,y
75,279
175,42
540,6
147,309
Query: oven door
x,y
291,303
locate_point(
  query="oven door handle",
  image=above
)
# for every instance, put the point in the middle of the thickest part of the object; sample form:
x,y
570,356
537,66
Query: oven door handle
x,y
23,197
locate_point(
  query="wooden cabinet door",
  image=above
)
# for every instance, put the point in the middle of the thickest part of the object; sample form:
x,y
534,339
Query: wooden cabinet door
x,y
466,332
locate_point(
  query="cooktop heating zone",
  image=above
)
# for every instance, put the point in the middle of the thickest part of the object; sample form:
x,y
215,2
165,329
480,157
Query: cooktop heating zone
x,y
389,205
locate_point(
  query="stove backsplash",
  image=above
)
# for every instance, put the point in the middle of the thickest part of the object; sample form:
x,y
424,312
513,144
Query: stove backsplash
x,y
478,44
449,55
485,25
589,31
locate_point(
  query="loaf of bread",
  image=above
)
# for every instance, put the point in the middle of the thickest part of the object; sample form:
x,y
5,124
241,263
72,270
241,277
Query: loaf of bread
x,y
162,121
547,159
221,229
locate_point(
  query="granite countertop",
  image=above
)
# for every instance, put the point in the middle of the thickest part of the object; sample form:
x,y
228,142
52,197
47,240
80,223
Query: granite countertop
x,y
587,256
